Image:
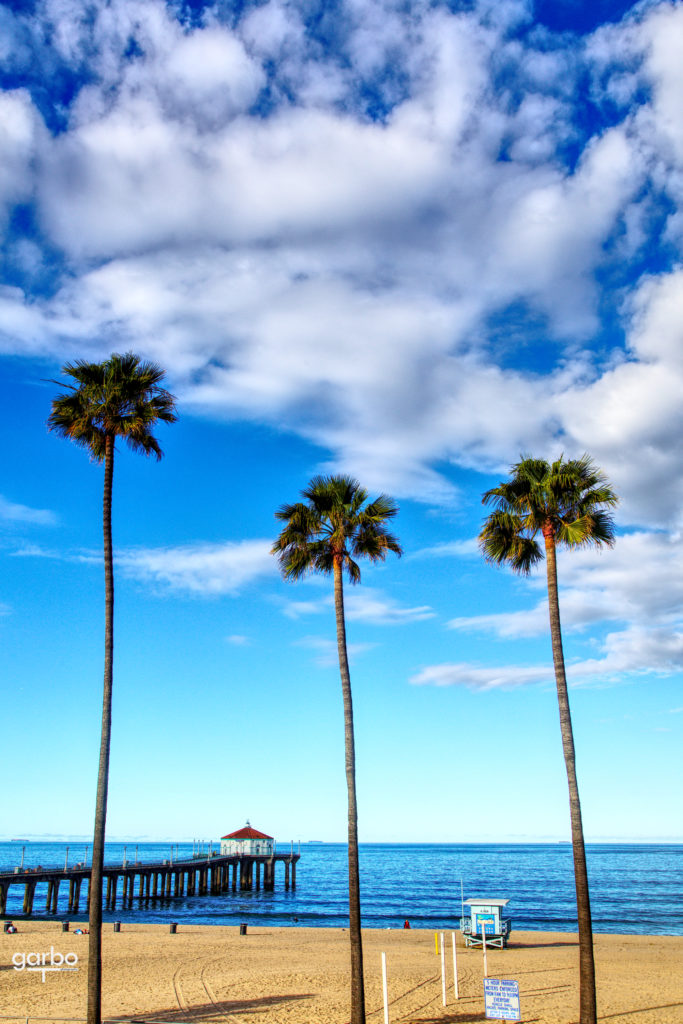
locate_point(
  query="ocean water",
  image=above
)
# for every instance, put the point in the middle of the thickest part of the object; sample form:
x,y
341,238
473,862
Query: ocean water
x,y
634,888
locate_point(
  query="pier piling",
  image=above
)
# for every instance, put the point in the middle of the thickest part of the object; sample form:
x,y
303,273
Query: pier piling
x,y
215,875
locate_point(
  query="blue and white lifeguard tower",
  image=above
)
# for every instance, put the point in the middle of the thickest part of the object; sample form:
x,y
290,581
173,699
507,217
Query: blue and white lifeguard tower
x,y
485,914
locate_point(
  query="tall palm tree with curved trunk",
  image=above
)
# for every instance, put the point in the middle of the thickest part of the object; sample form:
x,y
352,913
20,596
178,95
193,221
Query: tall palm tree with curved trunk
x,y
568,503
120,397
334,526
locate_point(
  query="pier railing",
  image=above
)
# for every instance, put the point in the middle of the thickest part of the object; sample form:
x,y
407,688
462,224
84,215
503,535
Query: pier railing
x,y
158,880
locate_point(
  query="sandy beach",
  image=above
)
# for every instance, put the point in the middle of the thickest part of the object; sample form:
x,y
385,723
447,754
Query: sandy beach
x,y
300,975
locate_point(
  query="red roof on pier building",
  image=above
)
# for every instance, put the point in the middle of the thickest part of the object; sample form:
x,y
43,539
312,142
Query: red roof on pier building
x,y
247,833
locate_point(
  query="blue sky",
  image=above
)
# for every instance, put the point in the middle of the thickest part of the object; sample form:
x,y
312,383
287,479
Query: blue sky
x,y
406,241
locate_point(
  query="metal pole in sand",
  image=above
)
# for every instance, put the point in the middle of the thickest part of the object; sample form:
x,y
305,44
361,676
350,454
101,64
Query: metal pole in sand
x,y
384,988
455,968
436,943
483,942
443,971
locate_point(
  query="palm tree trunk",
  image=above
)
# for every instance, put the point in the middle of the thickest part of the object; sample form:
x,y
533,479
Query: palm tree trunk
x,y
357,987
94,1013
587,994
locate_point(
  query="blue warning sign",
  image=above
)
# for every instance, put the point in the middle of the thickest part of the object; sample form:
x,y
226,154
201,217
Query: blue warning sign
x,y
501,999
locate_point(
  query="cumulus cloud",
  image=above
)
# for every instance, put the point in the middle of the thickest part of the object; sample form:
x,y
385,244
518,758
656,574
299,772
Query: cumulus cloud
x,y
19,131
333,231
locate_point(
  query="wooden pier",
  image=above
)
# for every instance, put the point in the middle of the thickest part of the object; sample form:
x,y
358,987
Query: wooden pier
x,y
143,882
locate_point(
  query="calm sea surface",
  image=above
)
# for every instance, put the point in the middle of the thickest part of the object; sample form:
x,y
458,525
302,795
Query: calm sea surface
x,y
637,889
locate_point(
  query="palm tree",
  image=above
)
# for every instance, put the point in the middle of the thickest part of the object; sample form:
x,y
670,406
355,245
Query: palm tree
x,y
567,502
121,397
335,526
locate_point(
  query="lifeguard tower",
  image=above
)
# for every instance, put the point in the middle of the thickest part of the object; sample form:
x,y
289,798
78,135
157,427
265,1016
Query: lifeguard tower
x,y
486,914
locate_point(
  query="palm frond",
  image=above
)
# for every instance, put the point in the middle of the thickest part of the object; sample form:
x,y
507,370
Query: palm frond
x,y
503,539
120,397
352,570
334,522
570,498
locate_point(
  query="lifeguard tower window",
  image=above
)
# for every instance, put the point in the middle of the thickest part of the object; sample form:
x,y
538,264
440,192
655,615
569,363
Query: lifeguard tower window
x,y
485,918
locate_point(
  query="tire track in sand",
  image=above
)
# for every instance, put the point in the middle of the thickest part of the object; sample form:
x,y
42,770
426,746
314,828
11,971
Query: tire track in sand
x,y
192,989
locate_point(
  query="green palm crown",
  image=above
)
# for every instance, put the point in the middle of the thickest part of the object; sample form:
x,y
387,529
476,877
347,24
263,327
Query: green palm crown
x,y
120,397
335,523
566,501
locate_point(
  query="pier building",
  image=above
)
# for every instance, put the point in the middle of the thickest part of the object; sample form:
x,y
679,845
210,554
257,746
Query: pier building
x,y
247,841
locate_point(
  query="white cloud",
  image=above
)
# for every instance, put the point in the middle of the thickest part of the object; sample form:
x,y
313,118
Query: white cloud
x,y
274,30
638,583
625,655
363,605
209,71
298,609
457,548
12,512
202,568
326,652
639,580
208,569
637,650
663,30
477,677
337,275
19,133
238,640
530,622
631,417
372,606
